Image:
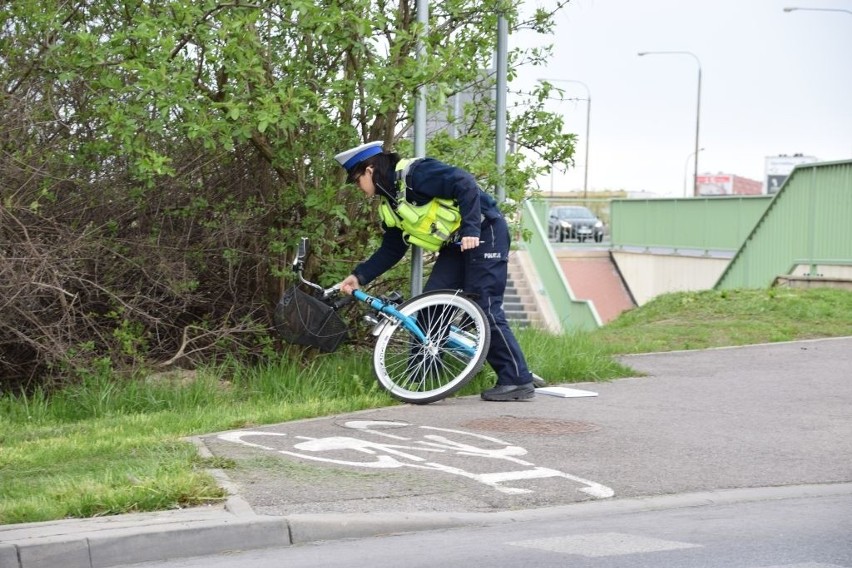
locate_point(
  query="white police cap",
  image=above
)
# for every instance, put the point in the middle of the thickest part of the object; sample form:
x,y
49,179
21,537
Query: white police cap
x,y
352,157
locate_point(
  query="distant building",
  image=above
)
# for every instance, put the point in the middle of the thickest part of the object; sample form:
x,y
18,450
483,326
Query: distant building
x,y
727,184
779,167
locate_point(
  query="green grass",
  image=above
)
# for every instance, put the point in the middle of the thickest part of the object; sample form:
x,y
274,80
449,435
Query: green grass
x,y
700,320
108,446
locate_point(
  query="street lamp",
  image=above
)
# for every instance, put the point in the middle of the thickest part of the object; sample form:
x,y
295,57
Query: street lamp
x,y
697,108
685,170
588,120
794,8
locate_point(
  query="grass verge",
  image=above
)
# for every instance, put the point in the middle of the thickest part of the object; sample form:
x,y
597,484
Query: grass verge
x,y
108,447
701,320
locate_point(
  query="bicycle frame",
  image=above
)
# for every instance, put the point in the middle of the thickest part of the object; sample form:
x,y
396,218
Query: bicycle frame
x,y
407,322
456,339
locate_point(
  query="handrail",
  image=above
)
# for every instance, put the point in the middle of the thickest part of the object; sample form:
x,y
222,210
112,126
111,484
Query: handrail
x,y
808,218
710,223
572,314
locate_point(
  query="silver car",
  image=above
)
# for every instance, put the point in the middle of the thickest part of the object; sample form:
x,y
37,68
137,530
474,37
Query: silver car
x,y
574,222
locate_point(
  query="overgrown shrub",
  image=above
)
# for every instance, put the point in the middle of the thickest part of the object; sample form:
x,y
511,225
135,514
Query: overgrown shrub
x,y
159,159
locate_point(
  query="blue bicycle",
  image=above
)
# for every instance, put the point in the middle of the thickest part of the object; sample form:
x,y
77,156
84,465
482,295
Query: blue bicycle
x,y
426,348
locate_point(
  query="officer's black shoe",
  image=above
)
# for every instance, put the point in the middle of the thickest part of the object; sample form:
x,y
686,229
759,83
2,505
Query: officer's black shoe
x,y
504,393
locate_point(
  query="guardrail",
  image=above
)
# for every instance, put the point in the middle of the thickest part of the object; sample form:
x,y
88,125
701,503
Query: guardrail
x,y
706,224
809,219
572,314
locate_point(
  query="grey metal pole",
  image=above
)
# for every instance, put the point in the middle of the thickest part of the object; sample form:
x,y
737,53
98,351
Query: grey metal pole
x,y
586,166
502,86
697,126
419,142
686,171
697,111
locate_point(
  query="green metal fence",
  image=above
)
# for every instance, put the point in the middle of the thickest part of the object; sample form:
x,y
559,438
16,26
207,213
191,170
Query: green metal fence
x,y
573,314
808,222
711,223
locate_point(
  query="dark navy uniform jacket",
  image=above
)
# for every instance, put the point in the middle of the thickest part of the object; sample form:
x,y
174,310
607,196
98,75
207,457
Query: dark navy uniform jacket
x,y
429,178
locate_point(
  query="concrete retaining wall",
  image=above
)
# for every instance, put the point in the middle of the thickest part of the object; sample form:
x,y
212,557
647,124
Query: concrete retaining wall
x,y
649,275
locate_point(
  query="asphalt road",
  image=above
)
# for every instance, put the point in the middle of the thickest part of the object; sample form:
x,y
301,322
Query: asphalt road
x,y
721,433
794,533
759,416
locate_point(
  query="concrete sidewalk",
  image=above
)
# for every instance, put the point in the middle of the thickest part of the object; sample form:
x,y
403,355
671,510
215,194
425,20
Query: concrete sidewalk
x,y
756,422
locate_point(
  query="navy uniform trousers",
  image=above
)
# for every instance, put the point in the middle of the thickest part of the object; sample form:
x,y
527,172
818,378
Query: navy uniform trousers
x,y
483,271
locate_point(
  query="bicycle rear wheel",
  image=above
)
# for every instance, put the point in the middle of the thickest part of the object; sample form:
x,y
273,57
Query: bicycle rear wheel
x,y
457,340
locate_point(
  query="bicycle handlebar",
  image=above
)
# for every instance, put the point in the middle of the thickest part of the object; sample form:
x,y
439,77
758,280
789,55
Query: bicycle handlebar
x,y
328,293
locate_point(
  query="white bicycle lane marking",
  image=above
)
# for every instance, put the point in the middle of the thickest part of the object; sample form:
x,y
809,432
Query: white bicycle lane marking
x,y
387,455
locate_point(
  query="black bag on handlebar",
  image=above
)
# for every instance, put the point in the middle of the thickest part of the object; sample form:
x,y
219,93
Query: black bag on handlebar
x,y
302,319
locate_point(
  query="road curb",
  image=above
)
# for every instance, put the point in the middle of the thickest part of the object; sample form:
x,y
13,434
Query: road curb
x,y
305,528
198,540
127,539
144,537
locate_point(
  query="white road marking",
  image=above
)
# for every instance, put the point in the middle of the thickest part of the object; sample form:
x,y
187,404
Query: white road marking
x,y
237,438
378,455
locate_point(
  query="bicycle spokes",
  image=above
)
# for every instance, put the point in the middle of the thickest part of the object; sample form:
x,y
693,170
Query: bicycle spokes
x,y
449,348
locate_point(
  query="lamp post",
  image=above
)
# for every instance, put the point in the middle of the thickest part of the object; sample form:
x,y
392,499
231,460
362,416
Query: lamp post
x,y
501,60
794,8
697,108
685,170
552,165
419,142
588,121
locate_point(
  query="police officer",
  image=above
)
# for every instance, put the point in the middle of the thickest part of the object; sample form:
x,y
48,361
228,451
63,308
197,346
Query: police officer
x,y
476,263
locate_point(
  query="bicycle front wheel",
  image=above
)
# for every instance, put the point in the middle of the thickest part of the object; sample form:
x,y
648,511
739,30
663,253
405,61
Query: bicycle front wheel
x,y
457,336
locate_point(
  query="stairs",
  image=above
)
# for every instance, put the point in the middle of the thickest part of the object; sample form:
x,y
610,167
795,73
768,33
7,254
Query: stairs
x,y
518,301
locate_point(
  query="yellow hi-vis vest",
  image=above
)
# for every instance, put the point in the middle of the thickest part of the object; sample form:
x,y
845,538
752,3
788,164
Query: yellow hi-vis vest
x,y
428,226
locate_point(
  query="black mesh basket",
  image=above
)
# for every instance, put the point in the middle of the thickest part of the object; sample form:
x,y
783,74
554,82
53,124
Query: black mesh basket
x,y
302,319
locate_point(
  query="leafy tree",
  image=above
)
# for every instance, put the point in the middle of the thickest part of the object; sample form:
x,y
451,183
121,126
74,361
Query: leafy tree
x,y
159,158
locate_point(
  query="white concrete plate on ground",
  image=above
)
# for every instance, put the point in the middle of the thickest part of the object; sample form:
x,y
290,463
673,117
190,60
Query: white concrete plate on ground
x,y
564,392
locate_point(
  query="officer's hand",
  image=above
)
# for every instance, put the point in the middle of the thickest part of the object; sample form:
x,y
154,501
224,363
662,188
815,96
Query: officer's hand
x,y
349,284
468,243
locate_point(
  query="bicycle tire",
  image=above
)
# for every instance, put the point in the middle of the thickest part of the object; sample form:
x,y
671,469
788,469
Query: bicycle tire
x,y
458,337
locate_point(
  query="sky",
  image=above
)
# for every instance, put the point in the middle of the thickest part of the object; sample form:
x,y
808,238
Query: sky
x,y
772,82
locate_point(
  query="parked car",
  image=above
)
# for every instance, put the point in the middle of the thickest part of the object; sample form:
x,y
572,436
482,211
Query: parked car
x,y
574,222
